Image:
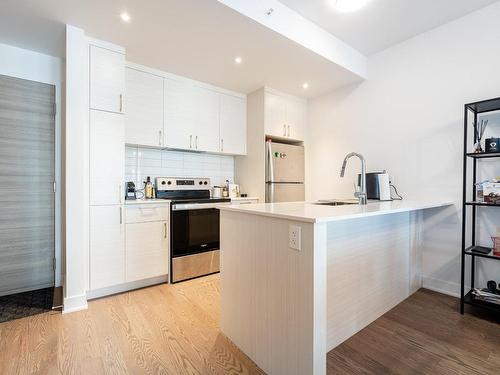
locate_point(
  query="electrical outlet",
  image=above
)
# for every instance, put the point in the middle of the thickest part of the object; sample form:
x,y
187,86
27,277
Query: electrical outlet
x,y
295,237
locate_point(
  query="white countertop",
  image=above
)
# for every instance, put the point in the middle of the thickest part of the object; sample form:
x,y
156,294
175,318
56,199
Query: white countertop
x,y
145,201
245,199
310,212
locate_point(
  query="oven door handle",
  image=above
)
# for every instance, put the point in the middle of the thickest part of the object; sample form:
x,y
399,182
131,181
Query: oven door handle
x,y
197,206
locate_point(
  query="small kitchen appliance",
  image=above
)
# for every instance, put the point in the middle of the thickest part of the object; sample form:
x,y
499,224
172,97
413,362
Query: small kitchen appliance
x,y
217,192
378,186
131,195
194,226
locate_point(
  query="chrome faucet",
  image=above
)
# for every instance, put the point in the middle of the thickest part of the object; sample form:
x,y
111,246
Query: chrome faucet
x,y
361,194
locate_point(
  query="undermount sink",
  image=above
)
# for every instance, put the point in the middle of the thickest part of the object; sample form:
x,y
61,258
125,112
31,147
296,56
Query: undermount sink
x,y
334,203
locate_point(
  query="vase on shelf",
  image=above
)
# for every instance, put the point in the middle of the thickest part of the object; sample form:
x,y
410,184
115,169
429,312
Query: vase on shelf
x,y
478,149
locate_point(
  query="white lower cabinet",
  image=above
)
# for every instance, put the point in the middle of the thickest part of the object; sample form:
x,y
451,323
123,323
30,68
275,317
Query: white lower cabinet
x,y
146,250
147,241
107,246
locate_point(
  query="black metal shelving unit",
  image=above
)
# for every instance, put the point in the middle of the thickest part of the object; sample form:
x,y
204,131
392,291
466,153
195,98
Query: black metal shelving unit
x,y
466,297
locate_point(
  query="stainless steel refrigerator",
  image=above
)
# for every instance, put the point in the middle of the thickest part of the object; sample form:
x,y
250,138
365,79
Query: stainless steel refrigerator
x,y
284,173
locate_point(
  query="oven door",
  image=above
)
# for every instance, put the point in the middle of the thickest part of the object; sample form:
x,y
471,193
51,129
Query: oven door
x,y
194,230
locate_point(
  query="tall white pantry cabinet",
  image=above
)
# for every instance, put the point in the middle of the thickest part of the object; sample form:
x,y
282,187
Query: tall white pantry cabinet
x,y
106,167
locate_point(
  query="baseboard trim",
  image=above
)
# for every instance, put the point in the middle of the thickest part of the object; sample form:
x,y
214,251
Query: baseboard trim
x,y
75,303
115,289
441,286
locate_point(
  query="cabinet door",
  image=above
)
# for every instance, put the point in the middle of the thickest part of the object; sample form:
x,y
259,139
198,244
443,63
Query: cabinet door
x,y
296,116
144,117
146,250
206,120
275,115
107,246
107,79
179,114
233,125
107,158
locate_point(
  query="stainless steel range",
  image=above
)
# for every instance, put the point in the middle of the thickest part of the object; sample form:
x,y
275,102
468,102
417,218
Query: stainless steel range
x,y
194,226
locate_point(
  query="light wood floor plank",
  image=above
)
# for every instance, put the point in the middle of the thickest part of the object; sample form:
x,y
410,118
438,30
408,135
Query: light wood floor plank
x,y
174,330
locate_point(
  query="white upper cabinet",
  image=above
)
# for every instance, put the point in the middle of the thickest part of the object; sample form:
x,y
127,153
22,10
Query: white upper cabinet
x,y
233,125
285,116
296,118
107,158
107,79
179,114
206,120
144,115
275,115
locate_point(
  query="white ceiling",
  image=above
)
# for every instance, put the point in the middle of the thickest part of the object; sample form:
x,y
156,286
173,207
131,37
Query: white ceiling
x,y
194,38
383,23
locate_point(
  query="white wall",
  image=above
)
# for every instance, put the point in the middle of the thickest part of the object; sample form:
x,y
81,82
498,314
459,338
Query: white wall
x,y
143,162
77,180
408,118
34,66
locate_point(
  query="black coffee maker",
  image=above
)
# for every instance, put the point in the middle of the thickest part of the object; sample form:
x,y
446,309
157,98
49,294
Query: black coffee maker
x,y
130,191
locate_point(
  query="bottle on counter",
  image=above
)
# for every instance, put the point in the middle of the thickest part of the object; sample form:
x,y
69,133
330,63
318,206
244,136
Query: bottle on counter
x,y
225,190
148,188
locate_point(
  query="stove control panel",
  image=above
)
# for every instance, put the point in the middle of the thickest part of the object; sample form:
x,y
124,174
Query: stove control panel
x,y
173,183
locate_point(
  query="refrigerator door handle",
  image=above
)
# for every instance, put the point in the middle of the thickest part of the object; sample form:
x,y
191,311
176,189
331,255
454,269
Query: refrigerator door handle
x,y
270,162
271,192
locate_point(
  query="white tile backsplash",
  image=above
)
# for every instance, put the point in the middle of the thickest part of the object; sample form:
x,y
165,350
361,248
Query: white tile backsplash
x,y
143,162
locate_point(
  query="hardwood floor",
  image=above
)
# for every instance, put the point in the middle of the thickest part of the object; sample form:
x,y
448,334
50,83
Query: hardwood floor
x,y
166,329
425,334
173,329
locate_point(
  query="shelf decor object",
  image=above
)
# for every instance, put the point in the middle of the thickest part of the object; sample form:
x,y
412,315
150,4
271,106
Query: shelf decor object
x,y
496,246
479,129
471,204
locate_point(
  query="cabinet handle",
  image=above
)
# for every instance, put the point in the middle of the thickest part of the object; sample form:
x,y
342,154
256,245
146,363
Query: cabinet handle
x,y
121,102
284,130
121,219
165,230
222,145
120,192
191,141
289,130
159,138
196,142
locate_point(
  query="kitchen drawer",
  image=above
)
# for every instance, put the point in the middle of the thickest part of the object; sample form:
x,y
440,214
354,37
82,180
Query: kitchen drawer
x,y
144,213
244,201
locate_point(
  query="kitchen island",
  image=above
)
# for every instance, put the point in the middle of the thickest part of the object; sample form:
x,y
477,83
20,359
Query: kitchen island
x,y
298,279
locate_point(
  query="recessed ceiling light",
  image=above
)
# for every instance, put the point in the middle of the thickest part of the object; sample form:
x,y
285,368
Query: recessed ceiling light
x,y
347,6
305,85
125,17
238,60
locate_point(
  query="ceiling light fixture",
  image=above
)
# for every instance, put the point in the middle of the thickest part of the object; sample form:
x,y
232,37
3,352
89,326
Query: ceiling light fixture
x,y
125,17
348,6
305,85
238,60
